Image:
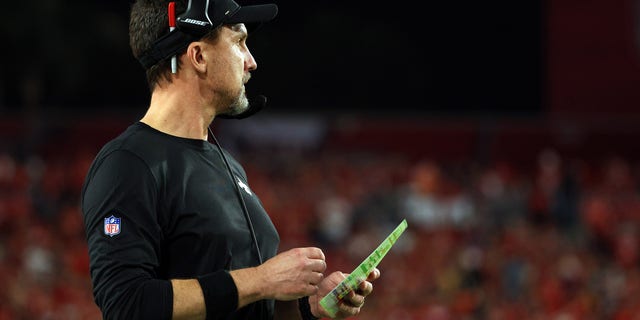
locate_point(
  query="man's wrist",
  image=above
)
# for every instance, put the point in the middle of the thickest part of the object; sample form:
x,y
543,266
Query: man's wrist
x,y
305,309
250,286
219,292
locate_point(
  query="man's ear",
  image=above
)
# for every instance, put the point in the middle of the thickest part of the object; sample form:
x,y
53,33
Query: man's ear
x,y
196,57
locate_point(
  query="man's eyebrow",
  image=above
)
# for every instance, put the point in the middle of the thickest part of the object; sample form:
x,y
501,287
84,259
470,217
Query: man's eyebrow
x,y
239,27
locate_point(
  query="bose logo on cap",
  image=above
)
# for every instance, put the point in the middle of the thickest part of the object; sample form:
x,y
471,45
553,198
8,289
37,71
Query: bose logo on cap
x,y
193,21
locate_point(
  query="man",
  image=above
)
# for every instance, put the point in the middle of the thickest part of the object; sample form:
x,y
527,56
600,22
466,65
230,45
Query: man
x,y
174,231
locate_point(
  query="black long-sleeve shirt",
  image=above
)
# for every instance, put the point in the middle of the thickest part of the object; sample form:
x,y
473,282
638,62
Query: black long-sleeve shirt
x,y
158,207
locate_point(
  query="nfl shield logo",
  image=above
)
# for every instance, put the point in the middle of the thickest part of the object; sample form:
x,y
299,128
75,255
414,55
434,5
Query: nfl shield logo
x,y
111,226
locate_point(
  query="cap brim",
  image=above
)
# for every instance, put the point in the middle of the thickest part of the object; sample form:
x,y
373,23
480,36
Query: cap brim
x,y
254,14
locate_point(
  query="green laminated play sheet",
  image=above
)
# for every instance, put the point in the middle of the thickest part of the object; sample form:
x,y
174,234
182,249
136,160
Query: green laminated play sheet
x,y
353,280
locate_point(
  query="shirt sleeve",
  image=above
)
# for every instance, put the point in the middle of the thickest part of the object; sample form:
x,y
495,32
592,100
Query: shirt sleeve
x,y
124,239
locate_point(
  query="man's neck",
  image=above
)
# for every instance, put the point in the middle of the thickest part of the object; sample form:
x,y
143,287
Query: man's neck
x,y
179,113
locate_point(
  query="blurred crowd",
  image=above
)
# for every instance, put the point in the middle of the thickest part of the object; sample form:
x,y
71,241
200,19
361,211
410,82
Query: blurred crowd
x,y
557,240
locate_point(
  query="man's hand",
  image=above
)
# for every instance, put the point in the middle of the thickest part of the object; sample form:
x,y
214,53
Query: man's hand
x,y
293,274
351,304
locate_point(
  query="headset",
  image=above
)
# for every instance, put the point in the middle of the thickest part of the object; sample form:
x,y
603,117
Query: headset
x,y
201,17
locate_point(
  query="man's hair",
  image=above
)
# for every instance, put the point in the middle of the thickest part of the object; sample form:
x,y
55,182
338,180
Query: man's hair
x,y
149,20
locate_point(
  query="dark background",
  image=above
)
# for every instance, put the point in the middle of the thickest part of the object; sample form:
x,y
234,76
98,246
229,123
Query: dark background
x,y
444,57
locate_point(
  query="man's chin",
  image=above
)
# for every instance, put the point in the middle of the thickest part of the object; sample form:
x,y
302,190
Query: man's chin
x,y
237,109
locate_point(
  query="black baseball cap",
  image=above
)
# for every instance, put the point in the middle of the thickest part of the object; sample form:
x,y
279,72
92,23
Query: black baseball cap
x,y
201,17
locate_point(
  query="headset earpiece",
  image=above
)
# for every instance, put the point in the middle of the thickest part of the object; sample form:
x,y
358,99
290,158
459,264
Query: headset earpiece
x,y
196,18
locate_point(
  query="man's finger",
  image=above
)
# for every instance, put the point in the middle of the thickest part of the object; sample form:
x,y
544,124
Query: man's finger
x,y
310,290
315,278
314,253
347,309
316,265
375,274
355,300
365,288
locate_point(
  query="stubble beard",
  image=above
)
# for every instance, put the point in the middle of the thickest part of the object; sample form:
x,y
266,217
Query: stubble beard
x,y
241,103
